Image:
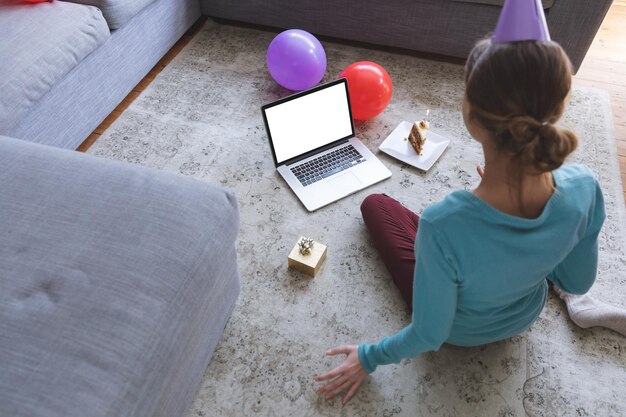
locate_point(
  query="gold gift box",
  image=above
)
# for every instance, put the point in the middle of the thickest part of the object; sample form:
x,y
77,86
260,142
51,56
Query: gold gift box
x,y
309,264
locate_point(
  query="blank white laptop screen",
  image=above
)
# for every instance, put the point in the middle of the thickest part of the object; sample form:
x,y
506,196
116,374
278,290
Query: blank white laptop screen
x,y
308,122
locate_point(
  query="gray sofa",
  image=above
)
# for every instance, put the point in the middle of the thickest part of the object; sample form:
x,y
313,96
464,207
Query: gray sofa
x,y
65,66
445,27
116,283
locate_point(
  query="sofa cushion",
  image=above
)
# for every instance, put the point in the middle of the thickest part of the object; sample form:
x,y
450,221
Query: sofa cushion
x,y
546,3
41,43
116,282
117,12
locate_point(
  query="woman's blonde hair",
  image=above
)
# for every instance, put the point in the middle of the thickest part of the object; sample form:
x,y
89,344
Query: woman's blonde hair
x,y
517,91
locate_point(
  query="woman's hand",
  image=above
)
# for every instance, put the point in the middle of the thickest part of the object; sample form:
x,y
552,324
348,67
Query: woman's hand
x,y
349,375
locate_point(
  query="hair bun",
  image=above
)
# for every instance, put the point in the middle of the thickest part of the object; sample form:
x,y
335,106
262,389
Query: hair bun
x,y
549,147
542,146
557,143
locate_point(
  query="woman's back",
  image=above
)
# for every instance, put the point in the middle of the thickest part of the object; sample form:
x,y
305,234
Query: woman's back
x,y
480,274
502,261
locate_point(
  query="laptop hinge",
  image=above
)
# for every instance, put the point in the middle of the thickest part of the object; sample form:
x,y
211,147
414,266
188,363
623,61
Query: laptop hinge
x,y
315,152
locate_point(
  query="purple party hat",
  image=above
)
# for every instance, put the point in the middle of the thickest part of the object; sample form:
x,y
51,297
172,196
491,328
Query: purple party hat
x,y
521,20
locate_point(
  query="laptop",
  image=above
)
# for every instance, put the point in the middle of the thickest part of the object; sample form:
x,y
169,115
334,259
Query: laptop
x,y
311,134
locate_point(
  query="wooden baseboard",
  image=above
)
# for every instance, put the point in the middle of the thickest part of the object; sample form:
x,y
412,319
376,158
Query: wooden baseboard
x,y
163,62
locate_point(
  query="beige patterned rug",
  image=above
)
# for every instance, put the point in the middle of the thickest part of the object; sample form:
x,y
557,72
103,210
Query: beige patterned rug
x,y
201,117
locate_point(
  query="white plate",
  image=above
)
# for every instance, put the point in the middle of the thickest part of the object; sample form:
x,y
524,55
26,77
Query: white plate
x,y
396,146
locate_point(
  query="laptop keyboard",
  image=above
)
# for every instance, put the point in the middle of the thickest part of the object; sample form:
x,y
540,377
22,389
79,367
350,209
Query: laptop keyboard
x,y
326,165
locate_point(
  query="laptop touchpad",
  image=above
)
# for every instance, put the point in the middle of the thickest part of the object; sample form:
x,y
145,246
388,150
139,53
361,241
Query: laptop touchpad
x,y
344,183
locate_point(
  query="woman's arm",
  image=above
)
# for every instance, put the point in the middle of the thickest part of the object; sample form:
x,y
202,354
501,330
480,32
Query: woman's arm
x,y
577,272
435,286
434,307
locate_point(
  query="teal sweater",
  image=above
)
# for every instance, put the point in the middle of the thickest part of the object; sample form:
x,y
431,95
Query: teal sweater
x,y
480,275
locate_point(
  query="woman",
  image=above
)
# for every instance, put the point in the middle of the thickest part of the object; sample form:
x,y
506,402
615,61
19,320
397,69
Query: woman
x,y
482,259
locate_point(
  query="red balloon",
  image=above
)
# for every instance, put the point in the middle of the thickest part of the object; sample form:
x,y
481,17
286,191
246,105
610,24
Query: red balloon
x,y
370,89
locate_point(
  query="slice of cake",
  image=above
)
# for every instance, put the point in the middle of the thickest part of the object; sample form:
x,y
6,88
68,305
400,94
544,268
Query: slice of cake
x,y
417,135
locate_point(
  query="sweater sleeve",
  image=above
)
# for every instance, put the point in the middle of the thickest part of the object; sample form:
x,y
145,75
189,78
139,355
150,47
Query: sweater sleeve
x,y
434,304
577,272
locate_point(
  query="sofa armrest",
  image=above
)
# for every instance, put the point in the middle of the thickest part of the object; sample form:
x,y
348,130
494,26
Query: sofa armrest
x,y
574,24
116,282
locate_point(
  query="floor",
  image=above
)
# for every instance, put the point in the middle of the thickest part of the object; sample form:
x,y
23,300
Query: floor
x,y
604,67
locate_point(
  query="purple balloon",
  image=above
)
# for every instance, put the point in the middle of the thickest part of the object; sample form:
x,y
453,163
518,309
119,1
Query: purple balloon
x,y
296,59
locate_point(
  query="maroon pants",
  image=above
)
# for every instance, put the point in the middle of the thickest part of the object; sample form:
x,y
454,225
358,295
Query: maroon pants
x,y
393,228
